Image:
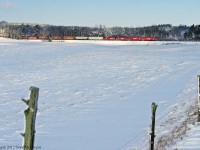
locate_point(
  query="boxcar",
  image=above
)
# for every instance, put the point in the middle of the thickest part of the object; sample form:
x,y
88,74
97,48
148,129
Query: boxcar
x,y
42,37
68,38
56,38
81,38
32,37
95,38
24,37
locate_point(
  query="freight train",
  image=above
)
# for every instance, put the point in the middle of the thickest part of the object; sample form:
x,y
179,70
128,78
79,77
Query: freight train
x,y
107,38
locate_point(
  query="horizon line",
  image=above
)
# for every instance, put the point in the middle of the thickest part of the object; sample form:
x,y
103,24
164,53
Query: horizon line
x,y
97,25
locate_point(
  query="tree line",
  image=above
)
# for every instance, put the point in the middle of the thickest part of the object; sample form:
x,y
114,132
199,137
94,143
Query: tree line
x,y
161,32
193,33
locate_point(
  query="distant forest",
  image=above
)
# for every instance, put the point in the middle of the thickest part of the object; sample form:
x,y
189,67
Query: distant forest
x,y
164,32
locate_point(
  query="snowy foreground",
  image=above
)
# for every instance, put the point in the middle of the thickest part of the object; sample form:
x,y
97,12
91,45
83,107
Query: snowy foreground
x,y
97,95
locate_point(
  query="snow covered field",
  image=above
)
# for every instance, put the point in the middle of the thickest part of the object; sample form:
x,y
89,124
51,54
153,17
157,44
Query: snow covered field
x,y
97,95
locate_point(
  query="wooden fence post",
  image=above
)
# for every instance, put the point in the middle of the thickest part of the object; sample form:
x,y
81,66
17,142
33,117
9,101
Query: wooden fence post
x,y
30,117
198,118
152,134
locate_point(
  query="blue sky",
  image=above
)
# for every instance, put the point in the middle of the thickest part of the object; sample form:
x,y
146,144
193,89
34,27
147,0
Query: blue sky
x,y
130,13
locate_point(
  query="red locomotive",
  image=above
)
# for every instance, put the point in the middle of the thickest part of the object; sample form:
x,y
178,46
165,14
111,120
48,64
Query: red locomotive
x,y
109,38
122,38
135,38
147,38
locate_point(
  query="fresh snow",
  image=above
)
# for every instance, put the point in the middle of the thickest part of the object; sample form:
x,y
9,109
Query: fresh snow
x,y
192,141
97,95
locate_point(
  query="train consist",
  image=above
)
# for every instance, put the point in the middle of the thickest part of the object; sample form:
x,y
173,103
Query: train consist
x,y
108,38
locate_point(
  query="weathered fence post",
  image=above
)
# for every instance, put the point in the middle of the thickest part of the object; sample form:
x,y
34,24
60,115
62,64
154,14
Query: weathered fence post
x,y
152,134
30,117
198,118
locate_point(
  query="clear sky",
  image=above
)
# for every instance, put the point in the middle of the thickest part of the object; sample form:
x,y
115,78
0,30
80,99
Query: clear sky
x,y
130,13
